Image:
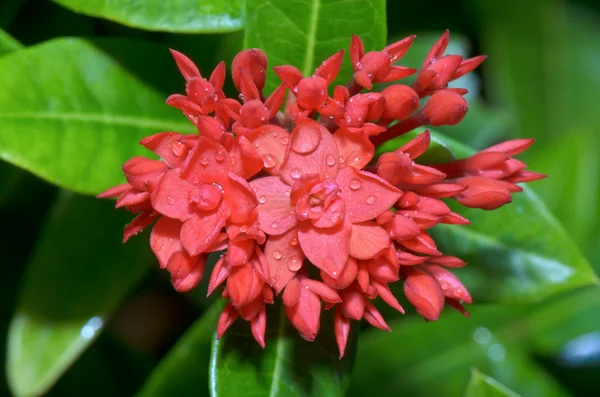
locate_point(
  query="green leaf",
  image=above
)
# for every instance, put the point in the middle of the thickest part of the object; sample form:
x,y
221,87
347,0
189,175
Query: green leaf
x,y
288,366
184,370
189,16
517,253
73,115
8,44
434,359
482,385
78,274
303,33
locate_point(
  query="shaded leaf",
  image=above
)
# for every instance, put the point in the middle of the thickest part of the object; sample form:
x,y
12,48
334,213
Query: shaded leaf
x,y
303,33
8,44
189,16
435,359
78,274
184,370
288,366
72,115
482,385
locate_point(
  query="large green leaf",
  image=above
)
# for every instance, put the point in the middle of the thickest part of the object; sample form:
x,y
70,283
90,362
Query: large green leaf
x,y
72,114
517,253
189,16
482,385
184,371
288,366
303,33
8,44
434,359
78,274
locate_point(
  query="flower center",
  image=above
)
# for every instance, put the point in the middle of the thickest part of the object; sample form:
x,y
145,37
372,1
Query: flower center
x,y
206,197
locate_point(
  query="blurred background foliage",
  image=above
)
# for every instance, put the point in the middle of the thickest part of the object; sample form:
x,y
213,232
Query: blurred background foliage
x,y
66,277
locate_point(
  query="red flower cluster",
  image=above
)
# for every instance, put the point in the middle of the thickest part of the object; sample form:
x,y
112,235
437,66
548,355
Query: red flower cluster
x,y
295,199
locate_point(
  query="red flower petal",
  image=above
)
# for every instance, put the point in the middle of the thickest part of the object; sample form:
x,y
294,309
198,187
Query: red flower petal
x,y
246,160
341,326
275,212
243,285
218,275
240,199
356,150
284,257
327,249
366,195
425,293
208,162
168,146
200,231
138,224
164,239
367,239
171,196
270,142
186,271
226,319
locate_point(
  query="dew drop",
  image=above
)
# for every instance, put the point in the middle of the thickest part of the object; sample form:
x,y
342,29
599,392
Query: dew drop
x,y
277,255
256,145
195,180
219,156
330,160
269,161
274,225
342,160
284,140
204,161
241,96
355,184
170,200
295,174
294,263
262,200
244,229
334,273
294,241
444,286
159,244
371,199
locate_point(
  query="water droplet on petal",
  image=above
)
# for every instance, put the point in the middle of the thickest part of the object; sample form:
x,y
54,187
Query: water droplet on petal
x,y
244,229
204,161
256,145
284,140
274,225
170,200
294,241
294,263
295,174
262,200
371,199
330,160
269,161
241,96
355,184
277,255
219,156
342,160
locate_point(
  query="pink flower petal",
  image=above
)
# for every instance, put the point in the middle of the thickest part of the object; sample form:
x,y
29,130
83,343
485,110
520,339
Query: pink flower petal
x,y
171,196
243,285
200,231
367,239
275,212
284,257
327,249
138,224
312,151
366,195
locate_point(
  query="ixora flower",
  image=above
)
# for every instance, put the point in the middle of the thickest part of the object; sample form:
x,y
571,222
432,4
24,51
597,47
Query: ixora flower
x,y
295,199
